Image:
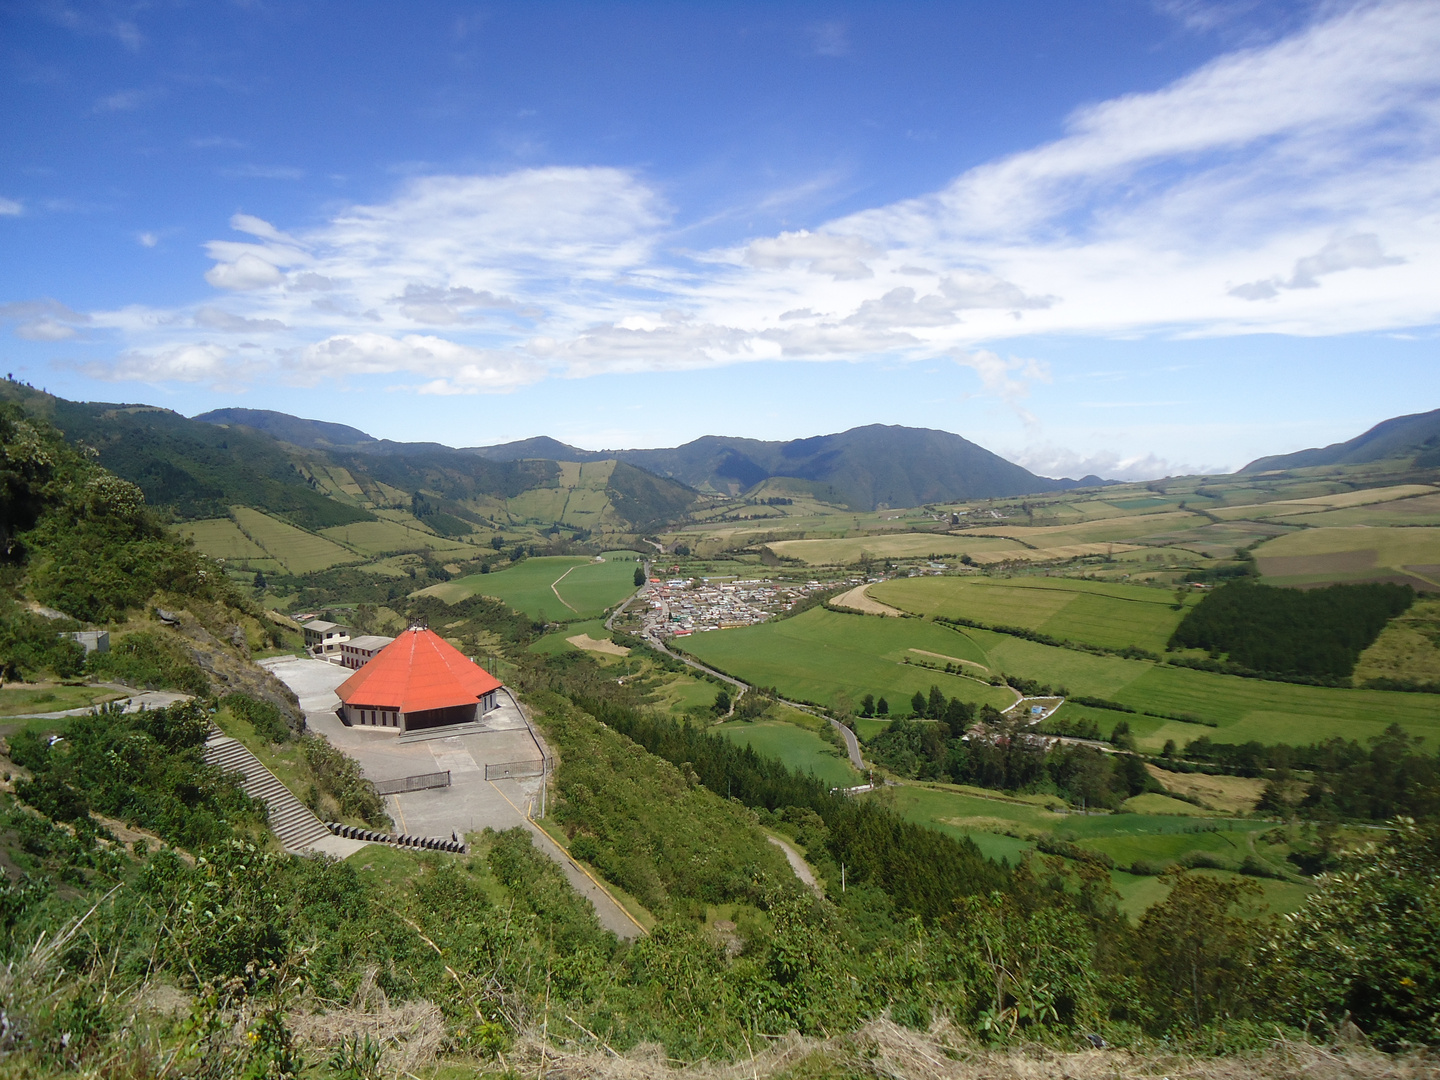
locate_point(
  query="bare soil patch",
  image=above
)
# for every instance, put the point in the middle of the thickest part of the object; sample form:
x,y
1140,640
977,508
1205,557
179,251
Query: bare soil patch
x,y
857,599
603,645
953,659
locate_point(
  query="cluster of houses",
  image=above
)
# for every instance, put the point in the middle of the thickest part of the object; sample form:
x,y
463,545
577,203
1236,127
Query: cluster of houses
x,y
681,606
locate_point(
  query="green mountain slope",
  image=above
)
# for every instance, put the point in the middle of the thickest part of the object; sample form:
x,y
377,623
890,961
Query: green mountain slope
x,y
1416,435
190,469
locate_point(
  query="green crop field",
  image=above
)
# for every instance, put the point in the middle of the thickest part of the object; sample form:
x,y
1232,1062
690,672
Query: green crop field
x,y
385,537
802,750
1099,613
221,538
822,656
585,588
300,552
1241,709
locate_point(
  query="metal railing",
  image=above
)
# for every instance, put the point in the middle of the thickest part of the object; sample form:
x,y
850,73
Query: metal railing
x,y
516,770
421,782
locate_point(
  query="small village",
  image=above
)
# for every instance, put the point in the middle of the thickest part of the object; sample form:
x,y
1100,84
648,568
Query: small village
x,y
679,607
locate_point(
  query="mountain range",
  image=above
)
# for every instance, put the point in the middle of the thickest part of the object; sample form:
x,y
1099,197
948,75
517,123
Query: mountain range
x,y
865,468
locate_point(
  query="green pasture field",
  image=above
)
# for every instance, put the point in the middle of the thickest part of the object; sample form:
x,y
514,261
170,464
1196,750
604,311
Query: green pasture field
x,y
1098,531
586,588
681,692
221,538
1408,647
1421,510
300,552
1098,613
386,537
22,700
825,656
801,750
1241,709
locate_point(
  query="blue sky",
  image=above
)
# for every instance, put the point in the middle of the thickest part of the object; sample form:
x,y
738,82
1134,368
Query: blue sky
x,y
1123,236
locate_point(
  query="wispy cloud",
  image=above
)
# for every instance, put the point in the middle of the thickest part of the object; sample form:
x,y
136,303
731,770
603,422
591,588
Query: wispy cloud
x,y
10,207
1303,168
44,320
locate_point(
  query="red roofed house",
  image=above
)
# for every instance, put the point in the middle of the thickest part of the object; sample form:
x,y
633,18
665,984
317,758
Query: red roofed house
x,y
417,681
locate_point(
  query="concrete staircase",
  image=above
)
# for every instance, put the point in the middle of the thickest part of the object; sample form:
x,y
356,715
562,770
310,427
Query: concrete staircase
x,y
290,819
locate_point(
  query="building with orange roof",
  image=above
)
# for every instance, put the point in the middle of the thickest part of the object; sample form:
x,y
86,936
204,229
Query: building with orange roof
x,y
417,681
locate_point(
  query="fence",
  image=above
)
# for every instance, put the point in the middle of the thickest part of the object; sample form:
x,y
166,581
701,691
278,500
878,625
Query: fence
x,y
515,770
422,782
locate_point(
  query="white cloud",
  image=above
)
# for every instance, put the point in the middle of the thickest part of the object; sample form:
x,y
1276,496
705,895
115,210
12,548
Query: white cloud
x,y
1359,252
10,208
246,271
450,367
125,100
1315,153
830,39
213,318
188,363
44,320
840,257
147,239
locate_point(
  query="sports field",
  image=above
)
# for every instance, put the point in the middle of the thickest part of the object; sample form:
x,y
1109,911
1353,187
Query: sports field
x,y
802,750
1098,613
826,657
557,588
300,552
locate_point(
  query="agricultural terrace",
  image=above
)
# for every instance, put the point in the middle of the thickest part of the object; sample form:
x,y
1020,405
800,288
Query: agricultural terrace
x,y
298,551
833,658
1355,553
556,588
802,750
578,498
1107,614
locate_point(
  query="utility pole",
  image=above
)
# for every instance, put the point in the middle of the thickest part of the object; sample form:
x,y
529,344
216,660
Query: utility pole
x,y
842,877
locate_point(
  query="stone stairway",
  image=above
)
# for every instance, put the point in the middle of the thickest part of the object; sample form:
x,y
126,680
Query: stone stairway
x,y
290,819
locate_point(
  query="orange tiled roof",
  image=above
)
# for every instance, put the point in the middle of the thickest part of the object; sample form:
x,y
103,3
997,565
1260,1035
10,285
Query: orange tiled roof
x,y
417,671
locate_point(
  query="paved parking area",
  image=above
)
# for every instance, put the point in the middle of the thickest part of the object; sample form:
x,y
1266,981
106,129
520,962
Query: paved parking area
x,y
471,803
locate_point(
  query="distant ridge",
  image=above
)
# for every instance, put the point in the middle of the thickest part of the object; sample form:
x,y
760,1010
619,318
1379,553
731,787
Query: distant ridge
x,y
1416,435
287,428
864,467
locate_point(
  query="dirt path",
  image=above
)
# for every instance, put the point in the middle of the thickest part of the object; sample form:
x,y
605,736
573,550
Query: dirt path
x,y
556,591
857,599
799,865
956,659
602,645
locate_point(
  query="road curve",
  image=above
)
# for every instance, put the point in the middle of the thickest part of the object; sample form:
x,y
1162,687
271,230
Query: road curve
x,y
852,745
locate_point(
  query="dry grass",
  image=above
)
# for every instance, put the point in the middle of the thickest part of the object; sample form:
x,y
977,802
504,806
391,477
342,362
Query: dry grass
x,y
1232,794
883,1050
857,599
409,1035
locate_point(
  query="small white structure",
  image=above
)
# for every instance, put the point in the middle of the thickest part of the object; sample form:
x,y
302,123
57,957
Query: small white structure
x,y
323,639
93,640
356,652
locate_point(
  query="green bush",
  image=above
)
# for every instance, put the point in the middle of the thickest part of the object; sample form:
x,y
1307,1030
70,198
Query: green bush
x,y
264,716
151,659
